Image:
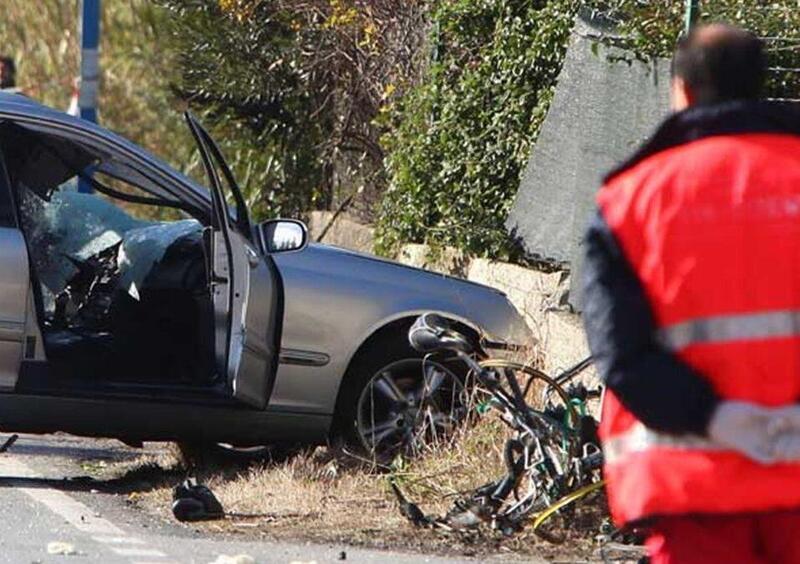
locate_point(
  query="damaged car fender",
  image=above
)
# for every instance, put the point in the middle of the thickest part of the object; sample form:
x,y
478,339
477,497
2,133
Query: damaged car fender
x,y
336,299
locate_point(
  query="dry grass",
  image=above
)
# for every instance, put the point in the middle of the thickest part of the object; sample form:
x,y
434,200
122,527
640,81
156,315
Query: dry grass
x,y
320,495
325,495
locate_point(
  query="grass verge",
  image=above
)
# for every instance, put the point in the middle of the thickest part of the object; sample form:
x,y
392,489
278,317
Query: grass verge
x,y
326,495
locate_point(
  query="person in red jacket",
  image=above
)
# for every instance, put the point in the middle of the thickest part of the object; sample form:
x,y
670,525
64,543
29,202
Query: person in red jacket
x,y
691,297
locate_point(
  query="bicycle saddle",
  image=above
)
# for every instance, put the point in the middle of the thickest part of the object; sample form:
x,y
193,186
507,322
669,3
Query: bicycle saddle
x,y
432,332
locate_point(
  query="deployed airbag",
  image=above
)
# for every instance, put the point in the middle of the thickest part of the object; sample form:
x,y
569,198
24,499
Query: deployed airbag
x,y
143,247
74,226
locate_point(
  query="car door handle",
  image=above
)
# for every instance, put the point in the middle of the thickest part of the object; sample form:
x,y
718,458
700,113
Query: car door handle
x,y
252,257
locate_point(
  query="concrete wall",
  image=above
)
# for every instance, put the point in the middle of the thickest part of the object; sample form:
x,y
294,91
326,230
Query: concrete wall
x,y
539,296
345,232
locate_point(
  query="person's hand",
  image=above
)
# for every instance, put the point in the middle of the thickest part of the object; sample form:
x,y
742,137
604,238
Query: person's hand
x,y
766,435
784,430
748,428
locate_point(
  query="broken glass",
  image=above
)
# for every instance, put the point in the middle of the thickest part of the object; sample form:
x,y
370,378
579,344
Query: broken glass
x,y
74,227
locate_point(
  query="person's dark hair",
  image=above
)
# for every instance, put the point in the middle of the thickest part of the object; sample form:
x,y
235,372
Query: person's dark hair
x,y
9,72
721,62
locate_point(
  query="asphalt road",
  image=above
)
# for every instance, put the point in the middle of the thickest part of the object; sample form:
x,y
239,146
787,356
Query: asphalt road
x,y
49,514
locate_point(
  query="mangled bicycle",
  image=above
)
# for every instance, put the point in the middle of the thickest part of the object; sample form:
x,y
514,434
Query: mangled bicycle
x,y
551,457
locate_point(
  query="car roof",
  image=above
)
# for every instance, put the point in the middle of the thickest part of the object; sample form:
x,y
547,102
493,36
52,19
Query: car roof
x,y
23,105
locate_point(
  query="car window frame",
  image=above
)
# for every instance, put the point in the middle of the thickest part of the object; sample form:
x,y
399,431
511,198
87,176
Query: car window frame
x,y
125,151
8,208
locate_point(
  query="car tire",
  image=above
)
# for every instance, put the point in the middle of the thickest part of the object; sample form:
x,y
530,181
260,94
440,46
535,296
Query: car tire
x,y
384,354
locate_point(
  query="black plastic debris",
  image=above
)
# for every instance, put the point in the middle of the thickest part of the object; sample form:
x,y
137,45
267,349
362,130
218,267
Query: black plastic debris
x,y
409,510
195,502
7,445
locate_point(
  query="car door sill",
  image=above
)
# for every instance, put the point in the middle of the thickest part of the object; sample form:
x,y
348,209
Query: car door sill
x,y
36,379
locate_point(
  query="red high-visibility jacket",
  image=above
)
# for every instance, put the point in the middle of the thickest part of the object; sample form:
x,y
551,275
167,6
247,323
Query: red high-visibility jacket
x,y
707,219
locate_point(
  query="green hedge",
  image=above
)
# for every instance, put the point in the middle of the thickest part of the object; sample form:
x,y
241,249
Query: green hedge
x,y
462,138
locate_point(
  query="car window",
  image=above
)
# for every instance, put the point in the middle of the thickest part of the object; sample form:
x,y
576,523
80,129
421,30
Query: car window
x,y
46,160
69,227
141,205
42,163
75,152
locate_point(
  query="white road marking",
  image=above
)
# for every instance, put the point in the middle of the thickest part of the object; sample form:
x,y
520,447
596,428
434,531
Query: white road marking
x,y
72,510
118,540
79,515
139,552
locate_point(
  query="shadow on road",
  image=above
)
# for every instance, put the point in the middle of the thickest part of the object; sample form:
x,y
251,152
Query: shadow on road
x,y
140,479
66,450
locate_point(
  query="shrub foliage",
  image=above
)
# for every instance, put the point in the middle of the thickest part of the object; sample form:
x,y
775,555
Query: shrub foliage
x,y
461,139
433,105
293,88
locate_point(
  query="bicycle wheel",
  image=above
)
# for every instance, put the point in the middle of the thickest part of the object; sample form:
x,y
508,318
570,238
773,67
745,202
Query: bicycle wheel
x,y
533,376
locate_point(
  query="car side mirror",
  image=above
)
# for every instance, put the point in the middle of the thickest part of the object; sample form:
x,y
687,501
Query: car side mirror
x,y
282,235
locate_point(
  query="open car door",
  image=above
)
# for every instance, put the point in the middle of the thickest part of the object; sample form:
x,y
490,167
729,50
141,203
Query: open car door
x,y
14,288
242,285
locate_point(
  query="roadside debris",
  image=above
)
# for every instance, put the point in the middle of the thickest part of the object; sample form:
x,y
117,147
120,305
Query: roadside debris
x,y
410,511
237,559
9,441
61,548
195,502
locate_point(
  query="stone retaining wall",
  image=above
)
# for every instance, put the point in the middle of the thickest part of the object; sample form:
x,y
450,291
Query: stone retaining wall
x,y
345,232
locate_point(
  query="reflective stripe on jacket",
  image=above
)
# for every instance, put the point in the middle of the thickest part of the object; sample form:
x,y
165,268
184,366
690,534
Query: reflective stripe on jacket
x,y
707,218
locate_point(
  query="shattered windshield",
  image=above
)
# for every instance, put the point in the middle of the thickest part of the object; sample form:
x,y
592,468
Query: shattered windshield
x,y
72,227
129,220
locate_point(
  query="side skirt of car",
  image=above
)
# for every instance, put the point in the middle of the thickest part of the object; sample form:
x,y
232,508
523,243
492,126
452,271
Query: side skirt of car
x,y
135,421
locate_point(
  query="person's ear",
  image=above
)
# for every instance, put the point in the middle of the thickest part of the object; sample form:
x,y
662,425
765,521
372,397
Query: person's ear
x,y
681,96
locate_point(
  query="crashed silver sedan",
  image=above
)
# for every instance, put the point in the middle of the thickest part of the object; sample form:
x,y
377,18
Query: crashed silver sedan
x,y
205,329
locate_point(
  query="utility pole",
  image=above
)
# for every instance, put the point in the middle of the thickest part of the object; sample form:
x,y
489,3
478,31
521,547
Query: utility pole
x,y
692,15
90,66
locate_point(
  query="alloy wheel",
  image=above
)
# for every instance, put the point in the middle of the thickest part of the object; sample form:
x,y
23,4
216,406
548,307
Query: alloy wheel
x,y
409,406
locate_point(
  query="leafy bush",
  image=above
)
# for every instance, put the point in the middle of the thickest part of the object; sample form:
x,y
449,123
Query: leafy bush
x,y
314,100
461,139
292,88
